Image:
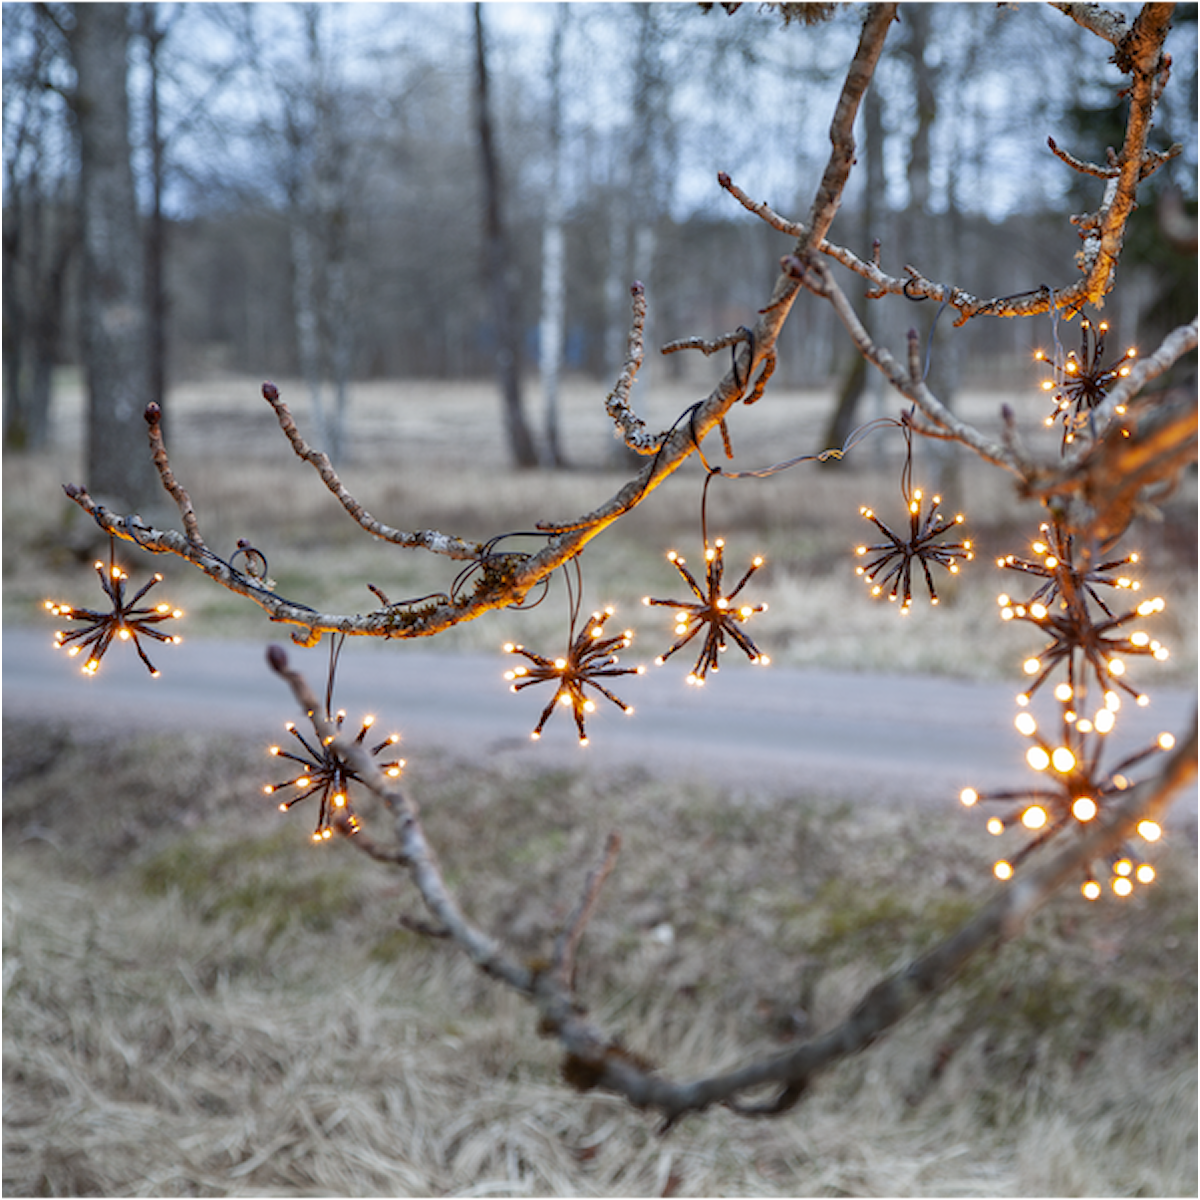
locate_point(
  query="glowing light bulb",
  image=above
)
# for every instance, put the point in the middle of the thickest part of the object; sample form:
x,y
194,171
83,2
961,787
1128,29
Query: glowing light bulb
x,y
1063,692
1084,809
1031,666
1145,873
1104,721
969,796
1063,760
995,826
1003,870
1166,741
1150,830
1025,723
1122,886
1091,889
1034,817
1037,758
1122,867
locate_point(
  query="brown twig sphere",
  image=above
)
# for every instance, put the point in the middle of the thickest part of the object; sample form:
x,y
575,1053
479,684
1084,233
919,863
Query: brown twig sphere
x,y
712,612
894,558
1083,380
124,621
324,772
1062,607
1076,790
589,659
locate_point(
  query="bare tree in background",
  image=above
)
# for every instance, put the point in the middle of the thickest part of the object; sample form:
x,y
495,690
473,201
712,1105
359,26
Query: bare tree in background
x,y
1123,445
319,177
41,230
498,264
554,249
115,338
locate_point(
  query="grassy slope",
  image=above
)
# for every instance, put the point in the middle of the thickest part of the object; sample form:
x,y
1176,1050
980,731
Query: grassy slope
x,y
197,1001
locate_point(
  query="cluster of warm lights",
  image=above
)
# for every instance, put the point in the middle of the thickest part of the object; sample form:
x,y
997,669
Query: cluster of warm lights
x,y
591,657
1072,792
1082,380
325,773
1089,642
123,622
713,612
1063,608
890,570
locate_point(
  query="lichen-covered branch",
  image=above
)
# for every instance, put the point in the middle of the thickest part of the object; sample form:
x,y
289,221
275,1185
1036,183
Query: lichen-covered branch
x,y
629,425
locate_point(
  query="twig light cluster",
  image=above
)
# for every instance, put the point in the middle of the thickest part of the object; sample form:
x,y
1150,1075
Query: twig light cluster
x,y
923,543
589,658
325,773
1073,789
1081,380
1062,608
712,611
124,621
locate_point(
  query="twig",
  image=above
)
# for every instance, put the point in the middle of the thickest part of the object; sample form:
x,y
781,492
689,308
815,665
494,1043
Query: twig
x,y
1077,164
162,464
425,539
567,942
841,129
631,426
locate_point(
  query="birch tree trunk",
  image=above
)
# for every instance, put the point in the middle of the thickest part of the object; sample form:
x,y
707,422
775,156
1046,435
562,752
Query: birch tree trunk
x,y
113,318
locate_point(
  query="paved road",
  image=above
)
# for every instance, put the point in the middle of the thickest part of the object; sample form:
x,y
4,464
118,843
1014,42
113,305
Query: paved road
x,y
860,734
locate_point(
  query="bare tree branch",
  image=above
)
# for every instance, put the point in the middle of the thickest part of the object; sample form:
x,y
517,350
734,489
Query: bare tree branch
x,y
596,1060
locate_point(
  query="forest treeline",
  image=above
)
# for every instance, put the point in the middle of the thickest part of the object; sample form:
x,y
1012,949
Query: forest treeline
x,y
311,199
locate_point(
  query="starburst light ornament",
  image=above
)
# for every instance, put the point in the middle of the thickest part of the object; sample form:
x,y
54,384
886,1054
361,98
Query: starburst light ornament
x,y
1085,634
1073,790
324,773
590,658
1082,380
713,612
890,570
124,621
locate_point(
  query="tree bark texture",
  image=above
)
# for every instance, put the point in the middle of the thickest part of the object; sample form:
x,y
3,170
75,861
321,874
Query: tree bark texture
x,y
113,319
499,268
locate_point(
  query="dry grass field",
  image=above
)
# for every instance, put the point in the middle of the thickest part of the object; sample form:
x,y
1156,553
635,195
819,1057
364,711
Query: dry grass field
x,y
198,1002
